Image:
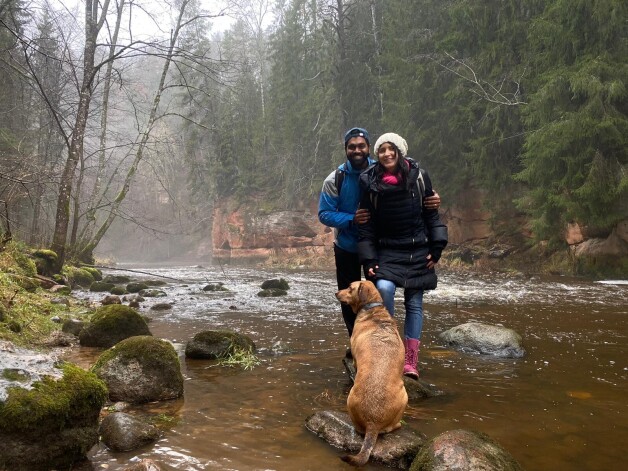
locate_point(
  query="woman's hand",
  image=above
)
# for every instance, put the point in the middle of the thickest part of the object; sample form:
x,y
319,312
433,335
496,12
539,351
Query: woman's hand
x,y
371,272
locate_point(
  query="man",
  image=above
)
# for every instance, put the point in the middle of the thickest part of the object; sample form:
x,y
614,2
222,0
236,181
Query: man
x,y
339,209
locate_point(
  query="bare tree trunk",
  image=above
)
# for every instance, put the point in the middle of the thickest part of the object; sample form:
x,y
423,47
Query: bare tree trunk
x,y
75,151
87,251
90,217
378,53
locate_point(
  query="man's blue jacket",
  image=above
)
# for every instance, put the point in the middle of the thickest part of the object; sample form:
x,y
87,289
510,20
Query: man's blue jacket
x,y
337,210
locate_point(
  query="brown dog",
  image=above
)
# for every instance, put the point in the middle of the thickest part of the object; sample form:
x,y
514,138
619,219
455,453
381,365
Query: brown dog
x,y
378,397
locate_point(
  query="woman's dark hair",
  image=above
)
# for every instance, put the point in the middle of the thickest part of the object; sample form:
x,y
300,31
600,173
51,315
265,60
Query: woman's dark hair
x,y
402,168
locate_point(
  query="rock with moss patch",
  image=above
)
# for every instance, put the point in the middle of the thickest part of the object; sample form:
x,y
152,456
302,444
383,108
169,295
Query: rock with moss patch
x,y
271,293
110,299
45,261
78,276
155,282
153,293
276,284
123,432
136,287
52,422
118,290
218,286
111,324
101,287
61,289
161,307
214,344
463,450
116,279
95,272
141,369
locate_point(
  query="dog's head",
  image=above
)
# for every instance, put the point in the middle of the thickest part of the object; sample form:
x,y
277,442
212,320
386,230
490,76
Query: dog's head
x,y
359,294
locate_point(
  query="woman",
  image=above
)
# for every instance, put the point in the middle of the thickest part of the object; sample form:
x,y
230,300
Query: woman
x,y
403,240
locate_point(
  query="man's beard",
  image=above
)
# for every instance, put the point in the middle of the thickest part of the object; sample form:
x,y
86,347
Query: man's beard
x,y
357,160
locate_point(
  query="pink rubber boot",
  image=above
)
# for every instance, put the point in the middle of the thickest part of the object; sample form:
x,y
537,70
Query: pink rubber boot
x,y
412,356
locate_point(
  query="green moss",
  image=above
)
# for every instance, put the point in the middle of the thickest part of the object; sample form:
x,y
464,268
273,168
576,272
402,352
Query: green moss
x,y
77,276
151,352
15,259
136,287
118,290
280,284
75,399
95,272
13,374
46,254
111,324
101,287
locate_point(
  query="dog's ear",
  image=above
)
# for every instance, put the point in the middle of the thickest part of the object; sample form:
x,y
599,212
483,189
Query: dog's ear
x,y
363,293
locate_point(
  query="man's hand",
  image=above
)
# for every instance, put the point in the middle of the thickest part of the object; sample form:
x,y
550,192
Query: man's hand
x,y
430,263
432,202
362,216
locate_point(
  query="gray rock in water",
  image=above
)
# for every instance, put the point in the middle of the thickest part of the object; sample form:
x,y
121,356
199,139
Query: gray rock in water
x,y
485,339
462,450
153,293
161,307
123,432
396,449
276,284
272,293
416,389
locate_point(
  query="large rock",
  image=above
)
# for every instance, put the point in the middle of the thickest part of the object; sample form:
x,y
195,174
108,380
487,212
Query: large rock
x,y
111,324
48,415
396,449
461,450
123,432
214,344
485,339
141,369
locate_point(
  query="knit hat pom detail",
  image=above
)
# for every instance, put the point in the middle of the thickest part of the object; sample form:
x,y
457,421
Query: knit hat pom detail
x,y
395,139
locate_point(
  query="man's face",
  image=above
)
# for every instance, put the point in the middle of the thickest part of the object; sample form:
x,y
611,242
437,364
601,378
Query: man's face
x,y
357,152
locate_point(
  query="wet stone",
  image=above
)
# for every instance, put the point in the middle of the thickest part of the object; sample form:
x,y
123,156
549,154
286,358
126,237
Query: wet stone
x,y
395,449
123,432
485,339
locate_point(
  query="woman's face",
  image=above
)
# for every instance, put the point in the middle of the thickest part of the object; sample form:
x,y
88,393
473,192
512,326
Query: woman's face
x,y
387,156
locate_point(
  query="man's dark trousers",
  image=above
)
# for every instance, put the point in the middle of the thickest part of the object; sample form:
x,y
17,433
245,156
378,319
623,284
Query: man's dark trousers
x,y
348,270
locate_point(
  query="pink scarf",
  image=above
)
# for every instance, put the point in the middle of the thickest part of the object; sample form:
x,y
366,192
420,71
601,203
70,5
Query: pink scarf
x,y
393,179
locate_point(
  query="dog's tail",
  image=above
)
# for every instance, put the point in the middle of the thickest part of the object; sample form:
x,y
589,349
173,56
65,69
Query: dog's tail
x,y
370,437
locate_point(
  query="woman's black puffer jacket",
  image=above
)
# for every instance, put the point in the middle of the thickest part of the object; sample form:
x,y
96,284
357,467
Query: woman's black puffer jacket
x,y
400,233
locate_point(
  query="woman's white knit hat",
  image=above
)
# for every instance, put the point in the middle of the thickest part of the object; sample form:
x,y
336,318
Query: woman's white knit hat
x,y
396,139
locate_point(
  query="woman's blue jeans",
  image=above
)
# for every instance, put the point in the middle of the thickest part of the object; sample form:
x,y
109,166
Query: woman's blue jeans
x,y
413,301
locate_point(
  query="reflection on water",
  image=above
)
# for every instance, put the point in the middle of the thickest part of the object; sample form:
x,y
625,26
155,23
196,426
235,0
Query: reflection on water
x,y
561,407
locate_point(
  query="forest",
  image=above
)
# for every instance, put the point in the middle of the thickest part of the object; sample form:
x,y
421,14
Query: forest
x,y
145,113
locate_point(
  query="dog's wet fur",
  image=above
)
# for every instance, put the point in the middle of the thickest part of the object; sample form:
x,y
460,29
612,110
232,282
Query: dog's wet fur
x,y
378,397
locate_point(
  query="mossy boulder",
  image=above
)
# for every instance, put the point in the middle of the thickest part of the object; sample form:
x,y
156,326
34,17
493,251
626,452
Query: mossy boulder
x,y
111,324
116,279
463,450
15,259
52,425
78,276
141,369
214,344
136,287
117,290
101,287
45,261
95,272
276,284
272,292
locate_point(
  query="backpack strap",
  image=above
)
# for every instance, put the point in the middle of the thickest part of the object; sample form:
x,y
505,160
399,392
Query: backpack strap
x,y
339,177
420,186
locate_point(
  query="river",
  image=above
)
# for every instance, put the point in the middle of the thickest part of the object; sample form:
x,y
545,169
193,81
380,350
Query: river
x,y
561,407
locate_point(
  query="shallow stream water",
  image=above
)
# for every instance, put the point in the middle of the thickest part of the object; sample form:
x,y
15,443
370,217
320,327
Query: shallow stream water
x,y
562,407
